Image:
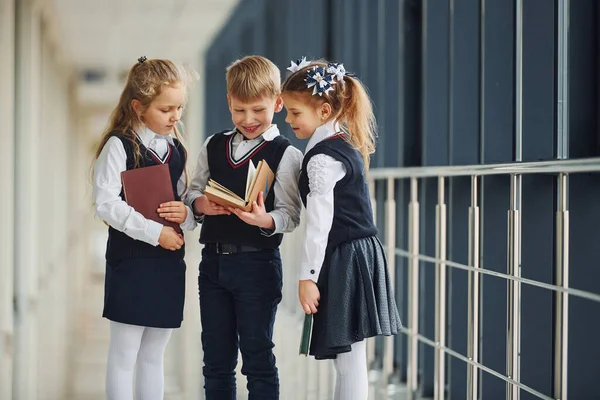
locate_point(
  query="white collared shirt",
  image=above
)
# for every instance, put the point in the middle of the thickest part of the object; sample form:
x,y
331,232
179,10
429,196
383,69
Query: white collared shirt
x,y
287,202
107,188
323,172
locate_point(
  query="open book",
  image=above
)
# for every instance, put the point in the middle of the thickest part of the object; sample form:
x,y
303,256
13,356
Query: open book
x,y
260,179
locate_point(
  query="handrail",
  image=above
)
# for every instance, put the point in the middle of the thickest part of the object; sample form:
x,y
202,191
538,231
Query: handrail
x,y
558,170
432,261
455,354
535,167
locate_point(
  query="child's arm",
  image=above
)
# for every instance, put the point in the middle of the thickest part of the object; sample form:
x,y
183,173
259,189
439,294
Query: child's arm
x,y
323,174
108,204
178,211
287,203
194,198
199,179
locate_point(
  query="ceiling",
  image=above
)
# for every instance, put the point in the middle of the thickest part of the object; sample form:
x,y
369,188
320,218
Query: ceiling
x,y
103,39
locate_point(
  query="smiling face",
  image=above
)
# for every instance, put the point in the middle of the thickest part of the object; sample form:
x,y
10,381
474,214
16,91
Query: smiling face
x,y
164,111
302,116
253,117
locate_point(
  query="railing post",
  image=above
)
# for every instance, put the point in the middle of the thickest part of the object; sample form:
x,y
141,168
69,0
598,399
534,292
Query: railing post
x,y
561,328
413,289
514,224
562,79
473,294
440,293
388,359
371,341
373,199
518,82
513,341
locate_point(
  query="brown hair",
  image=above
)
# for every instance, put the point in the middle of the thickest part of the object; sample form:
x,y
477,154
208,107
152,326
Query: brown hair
x,y
350,103
145,81
253,77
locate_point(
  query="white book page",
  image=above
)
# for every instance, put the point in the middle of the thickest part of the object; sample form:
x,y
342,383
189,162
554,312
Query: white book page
x,y
250,178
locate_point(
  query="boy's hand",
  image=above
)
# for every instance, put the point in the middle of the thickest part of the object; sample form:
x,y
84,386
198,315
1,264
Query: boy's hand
x,y
174,211
169,239
204,206
309,295
258,216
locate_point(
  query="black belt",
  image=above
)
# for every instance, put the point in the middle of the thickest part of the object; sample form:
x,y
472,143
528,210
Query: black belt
x,y
223,248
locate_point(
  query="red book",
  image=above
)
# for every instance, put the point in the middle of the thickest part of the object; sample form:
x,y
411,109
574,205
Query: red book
x,y
146,189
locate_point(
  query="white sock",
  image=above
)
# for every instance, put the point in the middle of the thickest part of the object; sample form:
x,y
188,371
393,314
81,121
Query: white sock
x,y
149,375
123,349
352,381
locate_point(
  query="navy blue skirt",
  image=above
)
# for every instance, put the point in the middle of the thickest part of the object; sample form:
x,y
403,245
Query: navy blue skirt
x,y
146,292
357,300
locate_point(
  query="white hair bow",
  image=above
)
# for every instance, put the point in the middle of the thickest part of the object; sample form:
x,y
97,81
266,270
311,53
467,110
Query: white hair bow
x,y
298,65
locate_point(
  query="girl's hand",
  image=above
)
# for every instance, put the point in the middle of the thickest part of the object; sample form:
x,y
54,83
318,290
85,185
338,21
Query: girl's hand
x,y
309,295
169,239
258,216
174,211
204,206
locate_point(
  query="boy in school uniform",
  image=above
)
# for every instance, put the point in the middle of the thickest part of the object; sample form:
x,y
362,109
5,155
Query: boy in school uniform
x,y
240,277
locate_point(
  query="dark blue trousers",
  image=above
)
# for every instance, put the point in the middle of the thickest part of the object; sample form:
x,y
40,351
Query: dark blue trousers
x,y
239,294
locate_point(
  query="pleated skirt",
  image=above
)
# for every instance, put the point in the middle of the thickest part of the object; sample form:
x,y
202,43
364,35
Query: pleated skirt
x,y
357,301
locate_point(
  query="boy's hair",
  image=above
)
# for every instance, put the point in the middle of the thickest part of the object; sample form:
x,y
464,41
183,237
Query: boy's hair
x,y
253,77
350,104
145,82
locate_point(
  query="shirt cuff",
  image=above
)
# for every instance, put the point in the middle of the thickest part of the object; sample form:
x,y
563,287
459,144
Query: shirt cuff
x,y
309,273
153,232
190,221
197,217
277,221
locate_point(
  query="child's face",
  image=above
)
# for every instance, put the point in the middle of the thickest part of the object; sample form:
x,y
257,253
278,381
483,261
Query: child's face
x,y
302,117
253,117
164,112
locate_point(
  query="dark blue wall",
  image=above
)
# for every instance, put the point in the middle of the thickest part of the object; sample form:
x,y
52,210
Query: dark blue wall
x,y
442,77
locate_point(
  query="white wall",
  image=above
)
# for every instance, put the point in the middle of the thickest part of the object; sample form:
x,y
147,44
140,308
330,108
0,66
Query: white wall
x,y
39,256
6,197
26,208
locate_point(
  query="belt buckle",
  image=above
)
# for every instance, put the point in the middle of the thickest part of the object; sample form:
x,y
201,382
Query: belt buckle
x,y
221,250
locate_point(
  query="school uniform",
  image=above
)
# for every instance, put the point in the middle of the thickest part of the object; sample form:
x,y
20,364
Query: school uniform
x,y
144,283
240,276
342,253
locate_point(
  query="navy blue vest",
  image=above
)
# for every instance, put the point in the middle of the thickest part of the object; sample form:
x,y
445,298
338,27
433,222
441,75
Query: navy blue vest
x,y
229,229
352,213
121,246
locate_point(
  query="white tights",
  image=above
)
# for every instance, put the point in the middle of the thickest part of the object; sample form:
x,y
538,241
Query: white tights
x,y
138,346
352,381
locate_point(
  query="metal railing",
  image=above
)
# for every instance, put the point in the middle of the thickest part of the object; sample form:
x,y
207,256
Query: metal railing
x,y
389,177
